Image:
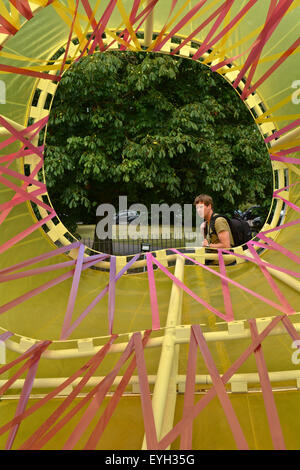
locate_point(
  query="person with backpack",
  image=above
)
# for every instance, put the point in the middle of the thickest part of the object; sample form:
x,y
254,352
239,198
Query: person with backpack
x,y
221,231
217,232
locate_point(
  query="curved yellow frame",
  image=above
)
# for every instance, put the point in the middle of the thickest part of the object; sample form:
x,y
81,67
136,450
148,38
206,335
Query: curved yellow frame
x,y
260,41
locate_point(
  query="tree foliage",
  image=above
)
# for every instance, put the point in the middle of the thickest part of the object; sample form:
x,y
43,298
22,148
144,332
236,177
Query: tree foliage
x,y
155,128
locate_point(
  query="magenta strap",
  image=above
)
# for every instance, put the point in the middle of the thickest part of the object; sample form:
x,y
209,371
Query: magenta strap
x,y
225,289
47,285
227,279
186,289
109,410
99,394
273,419
285,129
271,282
111,293
181,23
200,405
99,296
153,293
37,259
230,25
150,431
69,39
143,16
189,395
275,66
20,135
132,17
23,7
42,435
26,390
220,390
271,23
223,12
73,292
5,336
98,31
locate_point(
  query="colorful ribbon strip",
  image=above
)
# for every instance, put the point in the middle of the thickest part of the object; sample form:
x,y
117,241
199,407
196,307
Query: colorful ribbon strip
x,y
47,430
9,24
194,410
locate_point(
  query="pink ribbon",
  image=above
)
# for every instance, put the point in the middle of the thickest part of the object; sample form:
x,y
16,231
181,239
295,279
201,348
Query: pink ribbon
x,y
271,23
111,293
5,336
39,258
23,7
227,279
39,437
272,69
26,232
109,410
99,297
225,289
220,389
186,289
295,161
271,281
69,39
73,292
223,12
180,25
259,261
7,27
98,31
48,285
99,394
144,15
194,411
153,294
230,25
20,135
189,394
26,390
273,419
285,129
150,431
132,17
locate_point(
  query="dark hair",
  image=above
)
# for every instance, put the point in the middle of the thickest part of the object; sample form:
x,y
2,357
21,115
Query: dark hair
x,y
205,199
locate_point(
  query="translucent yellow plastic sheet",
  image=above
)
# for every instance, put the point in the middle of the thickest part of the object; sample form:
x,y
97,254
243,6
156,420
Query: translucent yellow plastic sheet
x,y
210,432
41,316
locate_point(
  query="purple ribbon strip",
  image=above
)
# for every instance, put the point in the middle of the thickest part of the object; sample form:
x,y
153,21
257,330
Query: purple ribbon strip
x,y
153,294
26,390
73,292
237,284
49,284
5,336
111,293
99,297
186,289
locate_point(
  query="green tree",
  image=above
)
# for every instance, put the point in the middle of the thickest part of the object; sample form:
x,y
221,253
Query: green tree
x,y
155,128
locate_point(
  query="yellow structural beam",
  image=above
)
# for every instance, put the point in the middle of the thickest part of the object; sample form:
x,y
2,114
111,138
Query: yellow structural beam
x,y
164,395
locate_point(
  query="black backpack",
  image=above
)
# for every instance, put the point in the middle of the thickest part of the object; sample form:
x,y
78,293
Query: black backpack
x,y
240,229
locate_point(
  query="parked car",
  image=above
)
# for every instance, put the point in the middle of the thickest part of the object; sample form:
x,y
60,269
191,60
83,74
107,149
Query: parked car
x,y
125,217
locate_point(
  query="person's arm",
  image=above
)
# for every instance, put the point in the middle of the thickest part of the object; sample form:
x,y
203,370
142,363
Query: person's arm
x,y
224,241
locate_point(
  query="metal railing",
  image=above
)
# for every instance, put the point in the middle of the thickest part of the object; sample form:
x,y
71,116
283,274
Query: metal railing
x,y
128,246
